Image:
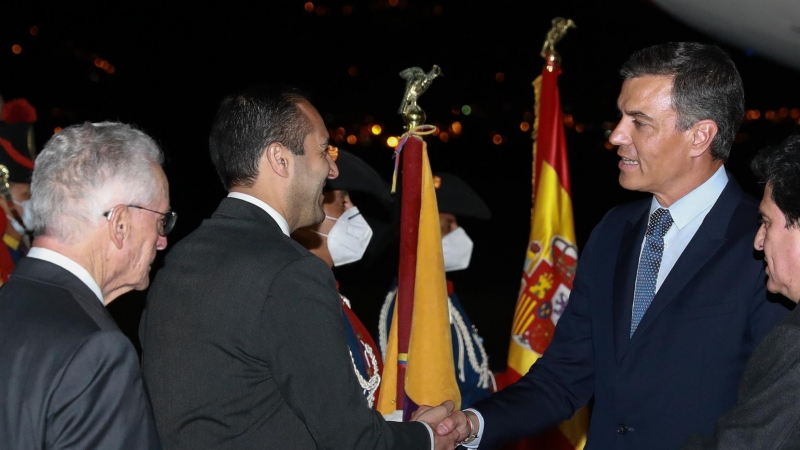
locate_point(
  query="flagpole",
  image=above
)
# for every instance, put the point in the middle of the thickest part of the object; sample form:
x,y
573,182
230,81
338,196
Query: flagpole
x,y
407,268
551,257
547,90
410,149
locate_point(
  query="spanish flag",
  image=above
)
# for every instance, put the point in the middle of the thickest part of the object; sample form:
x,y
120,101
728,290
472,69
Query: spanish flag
x,y
550,260
419,367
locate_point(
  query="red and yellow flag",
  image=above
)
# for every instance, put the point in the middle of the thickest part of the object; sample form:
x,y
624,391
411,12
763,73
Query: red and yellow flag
x,y
419,367
550,260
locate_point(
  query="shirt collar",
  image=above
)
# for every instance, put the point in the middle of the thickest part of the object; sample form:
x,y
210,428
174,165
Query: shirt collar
x,y
701,198
268,209
68,265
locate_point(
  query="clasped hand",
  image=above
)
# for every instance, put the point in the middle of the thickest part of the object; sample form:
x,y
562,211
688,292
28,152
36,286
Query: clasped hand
x,y
450,428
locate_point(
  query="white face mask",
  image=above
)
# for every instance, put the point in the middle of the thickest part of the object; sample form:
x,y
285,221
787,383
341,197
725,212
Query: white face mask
x,y
27,218
457,250
348,238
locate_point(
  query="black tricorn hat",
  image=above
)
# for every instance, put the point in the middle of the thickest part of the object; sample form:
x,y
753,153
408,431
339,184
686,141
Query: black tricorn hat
x,y
355,175
454,196
17,148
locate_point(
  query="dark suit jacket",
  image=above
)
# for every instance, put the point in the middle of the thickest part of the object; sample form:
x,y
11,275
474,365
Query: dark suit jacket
x,y
69,378
767,416
244,346
680,370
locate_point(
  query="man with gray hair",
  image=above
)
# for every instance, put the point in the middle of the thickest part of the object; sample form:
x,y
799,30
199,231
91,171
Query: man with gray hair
x,y
100,211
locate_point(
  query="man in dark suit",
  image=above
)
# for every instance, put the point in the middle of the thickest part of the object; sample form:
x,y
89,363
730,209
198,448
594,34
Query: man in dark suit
x,y
244,344
69,378
668,300
767,414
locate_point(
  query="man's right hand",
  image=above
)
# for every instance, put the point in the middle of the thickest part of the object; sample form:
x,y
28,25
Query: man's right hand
x,y
455,423
433,417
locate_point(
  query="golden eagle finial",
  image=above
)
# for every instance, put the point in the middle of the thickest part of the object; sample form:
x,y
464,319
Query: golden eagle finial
x,y
556,33
417,82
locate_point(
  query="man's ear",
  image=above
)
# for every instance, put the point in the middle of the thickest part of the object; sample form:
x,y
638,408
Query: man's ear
x,y
703,133
119,225
279,159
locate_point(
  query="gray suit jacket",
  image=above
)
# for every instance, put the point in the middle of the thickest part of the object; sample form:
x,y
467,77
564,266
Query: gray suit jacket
x,y
69,378
244,346
767,415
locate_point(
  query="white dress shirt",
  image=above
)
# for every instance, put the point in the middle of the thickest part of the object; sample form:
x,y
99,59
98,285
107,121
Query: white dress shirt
x,y
68,265
269,209
687,216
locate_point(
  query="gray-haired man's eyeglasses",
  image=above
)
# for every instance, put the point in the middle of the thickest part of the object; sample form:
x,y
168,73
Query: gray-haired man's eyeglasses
x,y
165,225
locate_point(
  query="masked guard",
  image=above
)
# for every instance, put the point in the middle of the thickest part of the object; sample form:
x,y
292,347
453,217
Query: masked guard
x,y
342,238
17,153
455,199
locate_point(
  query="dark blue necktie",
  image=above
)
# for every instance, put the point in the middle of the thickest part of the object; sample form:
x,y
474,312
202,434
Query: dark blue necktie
x,y
649,264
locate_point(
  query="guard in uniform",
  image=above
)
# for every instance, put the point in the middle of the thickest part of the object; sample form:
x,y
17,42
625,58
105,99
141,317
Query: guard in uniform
x,y
17,153
342,238
455,199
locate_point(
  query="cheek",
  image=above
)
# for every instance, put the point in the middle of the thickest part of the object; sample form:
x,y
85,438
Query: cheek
x,y
778,261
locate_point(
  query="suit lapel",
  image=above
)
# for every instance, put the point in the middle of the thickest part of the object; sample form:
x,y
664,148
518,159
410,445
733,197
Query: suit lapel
x,y
46,272
708,239
625,279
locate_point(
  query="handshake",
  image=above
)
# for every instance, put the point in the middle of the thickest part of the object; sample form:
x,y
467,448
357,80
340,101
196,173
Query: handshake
x,y
450,428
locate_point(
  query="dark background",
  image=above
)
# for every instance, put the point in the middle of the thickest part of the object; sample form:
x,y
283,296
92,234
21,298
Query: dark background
x,y
172,63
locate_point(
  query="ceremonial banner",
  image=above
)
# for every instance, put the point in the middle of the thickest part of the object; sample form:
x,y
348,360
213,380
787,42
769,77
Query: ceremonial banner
x,y
425,371
550,259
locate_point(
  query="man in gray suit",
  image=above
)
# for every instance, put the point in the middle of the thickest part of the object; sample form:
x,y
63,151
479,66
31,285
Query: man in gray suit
x,y
69,378
767,414
244,345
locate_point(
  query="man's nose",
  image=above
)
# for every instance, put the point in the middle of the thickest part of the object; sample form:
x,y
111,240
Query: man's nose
x,y
758,243
619,136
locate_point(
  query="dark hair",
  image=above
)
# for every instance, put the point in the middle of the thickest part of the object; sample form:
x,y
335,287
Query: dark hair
x,y
706,85
247,122
779,167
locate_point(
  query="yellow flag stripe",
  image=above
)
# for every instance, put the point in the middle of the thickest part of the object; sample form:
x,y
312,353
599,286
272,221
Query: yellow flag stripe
x,y
387,401
430,374
552,216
